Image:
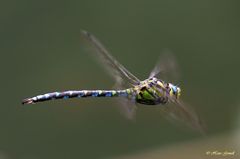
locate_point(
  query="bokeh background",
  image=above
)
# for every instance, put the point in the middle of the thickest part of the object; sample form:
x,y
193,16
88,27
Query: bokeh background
x,y
40,52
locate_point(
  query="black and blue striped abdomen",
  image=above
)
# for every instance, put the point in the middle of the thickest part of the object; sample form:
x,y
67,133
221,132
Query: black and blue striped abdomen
x,y
79,94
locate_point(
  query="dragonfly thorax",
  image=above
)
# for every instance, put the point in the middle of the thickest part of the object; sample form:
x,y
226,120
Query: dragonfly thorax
x,y
149,92
155,91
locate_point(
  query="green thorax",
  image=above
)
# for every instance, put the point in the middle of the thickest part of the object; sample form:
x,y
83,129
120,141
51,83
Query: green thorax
x,y
150,93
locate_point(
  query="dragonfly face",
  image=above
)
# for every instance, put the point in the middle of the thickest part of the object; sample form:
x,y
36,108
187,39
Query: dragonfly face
x,y
172,90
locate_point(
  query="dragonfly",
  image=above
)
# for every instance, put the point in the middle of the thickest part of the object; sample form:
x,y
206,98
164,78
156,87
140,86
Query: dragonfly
x,y
151,91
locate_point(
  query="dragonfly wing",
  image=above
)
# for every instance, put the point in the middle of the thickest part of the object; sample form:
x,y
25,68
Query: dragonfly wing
x,y
184,113
178,111
190,116
165,67
121,75
127,106
116,69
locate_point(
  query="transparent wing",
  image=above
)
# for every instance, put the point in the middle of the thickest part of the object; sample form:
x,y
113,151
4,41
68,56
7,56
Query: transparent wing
x,y
176,110
121,75
166,67
184,113
126,106
117,70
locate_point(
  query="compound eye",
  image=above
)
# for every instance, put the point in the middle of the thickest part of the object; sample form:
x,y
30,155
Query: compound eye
x,y
174,88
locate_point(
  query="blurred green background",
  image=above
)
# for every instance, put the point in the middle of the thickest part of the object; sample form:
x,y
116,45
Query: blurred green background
x,y
40,53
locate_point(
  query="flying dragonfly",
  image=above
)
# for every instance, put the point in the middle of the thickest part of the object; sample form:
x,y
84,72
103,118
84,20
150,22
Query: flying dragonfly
x,y
151,91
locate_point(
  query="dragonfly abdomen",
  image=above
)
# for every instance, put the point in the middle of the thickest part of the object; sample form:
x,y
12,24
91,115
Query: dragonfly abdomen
x,y
79,94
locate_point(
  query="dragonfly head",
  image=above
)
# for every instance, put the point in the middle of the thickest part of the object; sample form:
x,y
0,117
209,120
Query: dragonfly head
x,y
174,90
